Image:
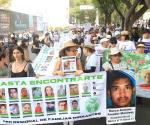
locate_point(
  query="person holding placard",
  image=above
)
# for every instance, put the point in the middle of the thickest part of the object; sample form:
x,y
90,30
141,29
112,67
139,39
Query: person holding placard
x,y
69,51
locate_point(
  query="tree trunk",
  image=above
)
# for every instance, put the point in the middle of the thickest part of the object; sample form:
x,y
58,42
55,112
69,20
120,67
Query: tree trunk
x,y
107,18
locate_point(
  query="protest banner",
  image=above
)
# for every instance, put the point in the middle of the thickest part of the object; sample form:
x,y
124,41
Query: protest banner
x,y
52,99
121,97
42,65
140,64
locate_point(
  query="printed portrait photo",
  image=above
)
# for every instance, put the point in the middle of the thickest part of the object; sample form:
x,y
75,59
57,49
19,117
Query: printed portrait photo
x,y
38,108
120,90
2,94
26,107
13,93
36,92
62,106
74,90
49,93
14,109
61,92
3,109
50,106
24,93
75,105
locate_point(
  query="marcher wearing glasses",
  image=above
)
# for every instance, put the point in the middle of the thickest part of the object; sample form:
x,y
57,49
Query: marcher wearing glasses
x,y
69,49
115,62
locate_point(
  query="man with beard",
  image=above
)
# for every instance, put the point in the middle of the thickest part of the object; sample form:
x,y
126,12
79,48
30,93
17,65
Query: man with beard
x,y
121,89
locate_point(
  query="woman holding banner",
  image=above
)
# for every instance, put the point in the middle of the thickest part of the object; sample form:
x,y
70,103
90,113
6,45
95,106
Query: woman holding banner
x,y
69,50
20,67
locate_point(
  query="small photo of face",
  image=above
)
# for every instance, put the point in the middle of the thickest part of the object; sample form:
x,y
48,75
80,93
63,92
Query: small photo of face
x,y
74,90
38,108
2,94
62,105
13,93
75,105
24,93
61,91
49,58
85,88
3,109
50,106
49,91
14,109
26,108
36,91
67,65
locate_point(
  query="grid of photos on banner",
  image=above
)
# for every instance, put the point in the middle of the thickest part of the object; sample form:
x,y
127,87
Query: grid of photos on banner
x,y
47,100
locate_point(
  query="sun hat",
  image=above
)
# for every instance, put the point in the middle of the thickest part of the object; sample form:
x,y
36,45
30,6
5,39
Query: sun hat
x,y
103,40
124,33
67,44
114,51
140,44
89,45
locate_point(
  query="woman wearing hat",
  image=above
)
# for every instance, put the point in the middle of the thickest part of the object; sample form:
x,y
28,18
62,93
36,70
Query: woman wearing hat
x,y
69,49
115,62
91,60
124,43
140,47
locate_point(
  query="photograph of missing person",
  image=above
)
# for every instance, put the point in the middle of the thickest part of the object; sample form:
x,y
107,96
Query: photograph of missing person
x,y
62,106
13,93
120,90
3,110
38,108
14,109
26,107
50,106
145,83
86,88
61,91
36,92
75,105
2,94
24,93
74,90
49,58
49,93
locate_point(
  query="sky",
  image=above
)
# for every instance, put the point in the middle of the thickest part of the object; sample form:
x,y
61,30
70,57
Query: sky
x,y
55,12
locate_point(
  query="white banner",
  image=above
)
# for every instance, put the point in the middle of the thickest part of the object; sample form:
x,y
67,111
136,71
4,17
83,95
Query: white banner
x,y
52,99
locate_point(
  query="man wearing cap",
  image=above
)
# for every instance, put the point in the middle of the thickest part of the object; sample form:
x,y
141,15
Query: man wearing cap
x,y
124,43
120,90
115,62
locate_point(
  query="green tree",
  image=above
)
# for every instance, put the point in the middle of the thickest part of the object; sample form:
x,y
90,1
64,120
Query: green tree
x,y
81,16
134,10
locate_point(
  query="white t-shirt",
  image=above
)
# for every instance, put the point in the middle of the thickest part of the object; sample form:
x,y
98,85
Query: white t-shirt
x,y
91,61
126,46
120,66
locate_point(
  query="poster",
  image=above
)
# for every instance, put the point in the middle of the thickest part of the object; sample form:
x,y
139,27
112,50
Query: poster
x,y
147,47
52,99
69,64
121,97
42,65
143,83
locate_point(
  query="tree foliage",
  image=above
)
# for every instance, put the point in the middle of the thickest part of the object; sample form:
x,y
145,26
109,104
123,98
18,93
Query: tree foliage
x,y
81,16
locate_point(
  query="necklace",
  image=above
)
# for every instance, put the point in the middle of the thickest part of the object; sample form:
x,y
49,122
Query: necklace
x,y
18,66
